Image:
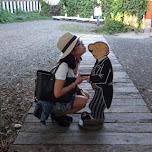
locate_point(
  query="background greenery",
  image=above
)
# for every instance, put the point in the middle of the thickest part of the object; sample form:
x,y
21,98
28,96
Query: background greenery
x,y
118,13
20,15
74,7
118,10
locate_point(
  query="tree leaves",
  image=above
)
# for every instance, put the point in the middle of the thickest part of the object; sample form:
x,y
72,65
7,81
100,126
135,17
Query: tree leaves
x,y
121,8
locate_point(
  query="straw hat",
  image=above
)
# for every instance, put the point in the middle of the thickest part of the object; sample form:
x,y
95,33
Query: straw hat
x,y
66,43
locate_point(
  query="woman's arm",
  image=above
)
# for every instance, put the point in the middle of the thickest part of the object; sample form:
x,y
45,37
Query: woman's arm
x,y
59,88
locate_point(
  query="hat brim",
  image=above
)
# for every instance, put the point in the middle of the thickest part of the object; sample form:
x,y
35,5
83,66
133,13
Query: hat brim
x,y
69,49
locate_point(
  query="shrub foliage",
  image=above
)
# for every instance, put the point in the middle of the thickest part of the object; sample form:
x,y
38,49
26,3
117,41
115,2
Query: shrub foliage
x,y
120,10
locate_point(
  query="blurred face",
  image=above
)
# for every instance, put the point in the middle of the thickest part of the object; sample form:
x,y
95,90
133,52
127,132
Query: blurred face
x,y
79,49
99,49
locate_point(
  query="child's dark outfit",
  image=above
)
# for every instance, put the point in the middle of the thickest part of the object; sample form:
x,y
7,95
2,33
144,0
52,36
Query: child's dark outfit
x,y
101,80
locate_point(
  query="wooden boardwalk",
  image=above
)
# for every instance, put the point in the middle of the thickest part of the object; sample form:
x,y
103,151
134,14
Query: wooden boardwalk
x,y
127,127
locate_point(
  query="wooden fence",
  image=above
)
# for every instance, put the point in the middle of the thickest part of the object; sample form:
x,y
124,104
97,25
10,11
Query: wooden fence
x,y
25,5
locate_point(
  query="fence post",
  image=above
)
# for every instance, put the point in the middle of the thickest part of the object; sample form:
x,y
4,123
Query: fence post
x,y
24,5
14,3
34,5
37,5
11,6
21,3
28,6
18,5
31,8
3,4
7,6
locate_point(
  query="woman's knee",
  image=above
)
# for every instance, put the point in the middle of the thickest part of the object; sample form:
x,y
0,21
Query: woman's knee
x,y
81,103
87,94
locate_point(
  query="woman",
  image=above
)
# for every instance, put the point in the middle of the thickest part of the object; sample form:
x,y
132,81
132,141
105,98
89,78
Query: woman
x,y
69,98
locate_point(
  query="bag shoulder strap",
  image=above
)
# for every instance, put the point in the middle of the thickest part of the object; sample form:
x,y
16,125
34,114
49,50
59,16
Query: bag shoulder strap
x,y
53,71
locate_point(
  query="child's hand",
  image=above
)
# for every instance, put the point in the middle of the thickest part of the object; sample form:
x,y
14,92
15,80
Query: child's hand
x,y
85,77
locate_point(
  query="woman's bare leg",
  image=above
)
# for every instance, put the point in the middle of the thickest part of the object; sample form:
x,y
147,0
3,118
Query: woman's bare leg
x,y
79,103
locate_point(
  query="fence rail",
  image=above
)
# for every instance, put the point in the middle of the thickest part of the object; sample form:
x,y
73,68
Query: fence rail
x,y
27,5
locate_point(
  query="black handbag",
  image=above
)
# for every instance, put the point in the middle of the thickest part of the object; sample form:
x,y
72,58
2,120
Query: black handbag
x,y
68,96
44,85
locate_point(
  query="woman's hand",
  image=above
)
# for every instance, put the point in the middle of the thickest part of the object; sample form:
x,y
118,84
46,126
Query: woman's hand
x,y
80,79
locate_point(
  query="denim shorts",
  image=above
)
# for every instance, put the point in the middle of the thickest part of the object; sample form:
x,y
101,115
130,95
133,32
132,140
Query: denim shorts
x,y
60,107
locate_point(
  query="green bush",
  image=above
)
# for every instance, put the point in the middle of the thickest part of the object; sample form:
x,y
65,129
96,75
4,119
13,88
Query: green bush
x,y
7,17
74,7
46,9
121,10
112,27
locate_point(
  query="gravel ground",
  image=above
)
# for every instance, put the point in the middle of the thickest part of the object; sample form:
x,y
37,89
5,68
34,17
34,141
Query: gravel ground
x,y
135,55
24,48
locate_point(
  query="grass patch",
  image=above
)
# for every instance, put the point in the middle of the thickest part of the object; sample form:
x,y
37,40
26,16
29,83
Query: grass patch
x,y
77,28
111,27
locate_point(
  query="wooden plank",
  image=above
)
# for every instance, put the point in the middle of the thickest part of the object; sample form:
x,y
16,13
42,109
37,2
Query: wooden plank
x,y
107,127
88,69
137,102
121,84
84,138
123,95
120,75
123,80
129,117
119,109
124,108
85,84
136,105
131,109
109,118
125,89
116,89
81,148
